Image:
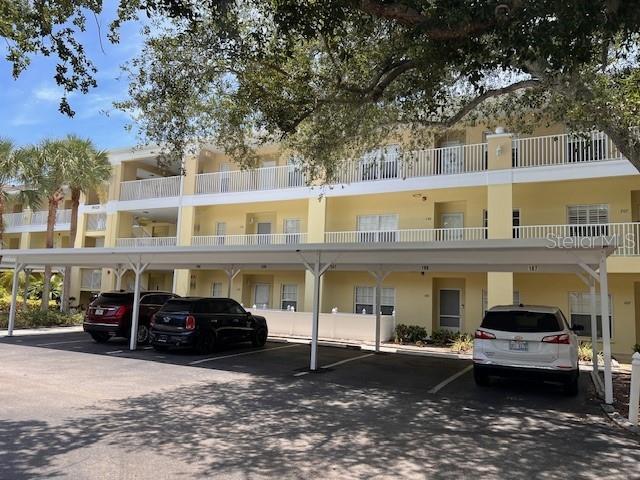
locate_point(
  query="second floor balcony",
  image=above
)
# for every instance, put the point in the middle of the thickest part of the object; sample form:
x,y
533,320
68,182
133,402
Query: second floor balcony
x,y
253,239
146,242
35,221
162,187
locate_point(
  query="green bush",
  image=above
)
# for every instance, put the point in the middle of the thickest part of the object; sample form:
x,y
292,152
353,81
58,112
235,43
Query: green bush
x,y
32,303
37,319
585,352
462,343
443,338
410,334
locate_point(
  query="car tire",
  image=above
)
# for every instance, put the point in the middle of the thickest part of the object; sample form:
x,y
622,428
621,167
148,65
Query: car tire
x,y
143,335
481,378
571,386
259,337
205,343
161,348
100,337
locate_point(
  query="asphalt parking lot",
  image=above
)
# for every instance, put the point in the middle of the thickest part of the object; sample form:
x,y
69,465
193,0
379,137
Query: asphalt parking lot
x,y
71,408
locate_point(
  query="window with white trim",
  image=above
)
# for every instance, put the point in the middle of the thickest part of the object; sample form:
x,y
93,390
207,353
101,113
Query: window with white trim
x,y
289,297
221,231
292,230
365,298
485,301
580,313
377,228
586,220
216,290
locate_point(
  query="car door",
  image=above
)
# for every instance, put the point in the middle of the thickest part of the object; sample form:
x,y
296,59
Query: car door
x,y
239,319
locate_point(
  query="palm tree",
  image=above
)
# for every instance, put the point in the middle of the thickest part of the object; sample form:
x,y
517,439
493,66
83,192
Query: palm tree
x,y
44,168
89,169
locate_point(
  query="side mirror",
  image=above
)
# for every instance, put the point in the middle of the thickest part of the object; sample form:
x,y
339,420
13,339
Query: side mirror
x,y
577,328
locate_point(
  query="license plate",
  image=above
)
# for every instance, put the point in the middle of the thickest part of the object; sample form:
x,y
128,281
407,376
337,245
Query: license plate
x,y
99,311
161,338
518,346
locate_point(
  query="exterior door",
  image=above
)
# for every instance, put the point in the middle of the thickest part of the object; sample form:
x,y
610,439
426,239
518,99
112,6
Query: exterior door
x,y
452,160
262,295
452,223
264,231
450,311
292,230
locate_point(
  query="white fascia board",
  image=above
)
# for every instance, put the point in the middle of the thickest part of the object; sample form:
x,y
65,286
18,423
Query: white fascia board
x,y
144,204
101,208
574,171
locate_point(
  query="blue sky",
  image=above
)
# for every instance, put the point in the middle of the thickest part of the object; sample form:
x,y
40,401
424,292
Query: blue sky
x,y
29,105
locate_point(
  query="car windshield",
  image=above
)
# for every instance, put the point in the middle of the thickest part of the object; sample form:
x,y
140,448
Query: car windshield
x,y
115,298
177,306
521,321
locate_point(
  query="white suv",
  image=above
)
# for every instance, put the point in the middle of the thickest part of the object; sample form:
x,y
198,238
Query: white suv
x,y
517,339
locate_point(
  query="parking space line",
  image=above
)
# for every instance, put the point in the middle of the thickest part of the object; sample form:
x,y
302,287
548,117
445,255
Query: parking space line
x,y
115,351
211,359
62,343
335,364
453,377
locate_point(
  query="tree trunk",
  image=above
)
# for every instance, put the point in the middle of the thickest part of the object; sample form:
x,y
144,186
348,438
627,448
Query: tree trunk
x,y
51,223
73,230
1,226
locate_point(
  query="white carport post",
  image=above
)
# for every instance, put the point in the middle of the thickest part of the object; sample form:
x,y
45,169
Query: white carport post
x,y
138,268
606,331
379,276
119,272
232,272
14,297
594,326
27,274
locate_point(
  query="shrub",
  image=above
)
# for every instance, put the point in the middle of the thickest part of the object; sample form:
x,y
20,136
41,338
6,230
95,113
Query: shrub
x,y
32,303
585,352
36,318
410,334
443,338
462,343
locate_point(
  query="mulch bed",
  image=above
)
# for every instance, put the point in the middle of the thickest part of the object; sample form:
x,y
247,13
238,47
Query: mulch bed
x,y
621,385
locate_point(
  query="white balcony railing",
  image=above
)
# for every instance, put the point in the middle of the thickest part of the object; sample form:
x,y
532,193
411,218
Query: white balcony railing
x,y
91,279
625,235
150,188
269,178
564,149
409,235
96,222
35,219
146,242
255,239
418,163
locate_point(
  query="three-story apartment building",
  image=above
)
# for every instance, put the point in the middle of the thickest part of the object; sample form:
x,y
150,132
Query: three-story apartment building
x,y
470,185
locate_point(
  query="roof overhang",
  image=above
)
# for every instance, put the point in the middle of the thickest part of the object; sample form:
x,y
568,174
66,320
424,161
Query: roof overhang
x,y
509,255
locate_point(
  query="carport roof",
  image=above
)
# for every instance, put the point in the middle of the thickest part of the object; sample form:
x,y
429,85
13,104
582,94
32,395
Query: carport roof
x,y
509,255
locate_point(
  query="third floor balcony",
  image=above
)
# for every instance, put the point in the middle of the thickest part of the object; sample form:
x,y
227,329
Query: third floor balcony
x,y
29,221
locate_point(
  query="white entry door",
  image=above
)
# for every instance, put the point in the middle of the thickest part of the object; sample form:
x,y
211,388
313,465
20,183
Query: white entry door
x,y
452,223
264,231
450,314
262,295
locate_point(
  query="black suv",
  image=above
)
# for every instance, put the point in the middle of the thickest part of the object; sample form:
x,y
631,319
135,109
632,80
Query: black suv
x,y
204,323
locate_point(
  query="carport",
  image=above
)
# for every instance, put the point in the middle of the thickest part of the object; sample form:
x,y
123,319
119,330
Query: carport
x,y
585,259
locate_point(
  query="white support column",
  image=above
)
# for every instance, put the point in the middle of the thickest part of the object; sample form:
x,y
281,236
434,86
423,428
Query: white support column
x,y
119,272
27,280
315,318
64,270
14,298
232,272
138,269
379,276
606,332
634,393
594,326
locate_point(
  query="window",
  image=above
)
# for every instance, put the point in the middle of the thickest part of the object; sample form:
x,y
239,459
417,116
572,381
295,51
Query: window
x,y
233,307
588,220
485,222
377,228
521,322
292,230
216,290
485,301
580,312
365,298
289,297
154,299
221,231
515,221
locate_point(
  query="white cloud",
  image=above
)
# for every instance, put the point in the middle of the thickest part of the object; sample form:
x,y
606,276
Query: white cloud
x,y
48,93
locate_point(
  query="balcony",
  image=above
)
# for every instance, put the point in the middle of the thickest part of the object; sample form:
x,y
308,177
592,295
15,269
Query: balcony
x,y
408,235
150,188
96,222
245,240
625,235
35,221
269,178
146,242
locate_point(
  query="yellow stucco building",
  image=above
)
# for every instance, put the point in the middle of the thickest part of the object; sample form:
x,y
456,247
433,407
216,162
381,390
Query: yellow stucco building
x,y
472,184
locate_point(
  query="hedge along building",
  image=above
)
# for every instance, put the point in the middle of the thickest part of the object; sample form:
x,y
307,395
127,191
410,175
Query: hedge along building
x,y
470,185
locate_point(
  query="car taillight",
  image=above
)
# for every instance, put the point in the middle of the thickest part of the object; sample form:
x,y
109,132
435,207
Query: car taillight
x,y
190,323
484,335
120,311
564,339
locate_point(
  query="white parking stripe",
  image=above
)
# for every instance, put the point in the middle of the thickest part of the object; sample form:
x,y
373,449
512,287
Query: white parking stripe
x,y
300,374
446,382
62,343
204,360
115,351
